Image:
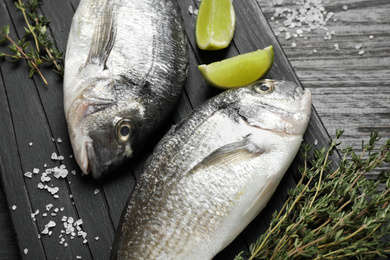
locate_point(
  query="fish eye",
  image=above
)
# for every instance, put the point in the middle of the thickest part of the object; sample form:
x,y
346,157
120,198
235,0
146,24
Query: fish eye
x,y
124,129
264,88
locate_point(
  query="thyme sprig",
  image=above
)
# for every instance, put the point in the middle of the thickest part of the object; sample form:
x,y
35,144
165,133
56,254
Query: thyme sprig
x,y
36,29
332,213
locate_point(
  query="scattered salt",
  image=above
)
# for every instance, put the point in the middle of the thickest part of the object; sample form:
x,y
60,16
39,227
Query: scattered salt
x,y
25,251
78,222
96,191
36,170
293,45
53,190
28,174
45,178
96,238
345,8
358,46
14,207
30,144
310,15
46,231
49,207
336,46
371,37
361,52
70,220
59,140
54,156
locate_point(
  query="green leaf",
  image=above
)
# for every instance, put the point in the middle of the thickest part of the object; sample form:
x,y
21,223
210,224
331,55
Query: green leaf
x,y
19,6
5,29
3,40
31,72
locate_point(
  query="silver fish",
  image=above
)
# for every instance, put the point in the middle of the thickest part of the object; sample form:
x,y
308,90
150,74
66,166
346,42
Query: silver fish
x,y
213,173
125,66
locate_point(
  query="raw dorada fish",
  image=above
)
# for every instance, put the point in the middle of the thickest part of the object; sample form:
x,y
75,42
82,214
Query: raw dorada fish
x,y
213,172
125,66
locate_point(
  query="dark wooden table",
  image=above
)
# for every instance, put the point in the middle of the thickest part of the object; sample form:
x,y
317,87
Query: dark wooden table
x,y
350,90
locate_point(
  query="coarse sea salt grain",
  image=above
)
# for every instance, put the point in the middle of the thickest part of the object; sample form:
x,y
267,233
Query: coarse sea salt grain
x,y
28,174
49,207
358,46
13,207
49,225
60,172
25,251
54,156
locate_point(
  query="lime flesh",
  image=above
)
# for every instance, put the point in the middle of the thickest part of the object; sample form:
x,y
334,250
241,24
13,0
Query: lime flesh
x,y
240,70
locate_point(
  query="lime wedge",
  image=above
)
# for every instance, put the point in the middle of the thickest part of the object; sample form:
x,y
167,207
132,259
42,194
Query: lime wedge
x,y
215,23
240,70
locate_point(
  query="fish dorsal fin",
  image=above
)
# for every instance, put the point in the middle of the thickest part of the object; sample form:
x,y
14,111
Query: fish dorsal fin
x,y
103,39
231,153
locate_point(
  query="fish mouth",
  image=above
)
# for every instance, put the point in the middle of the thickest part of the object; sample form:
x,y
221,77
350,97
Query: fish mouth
x,y
82,143
90,162
102,161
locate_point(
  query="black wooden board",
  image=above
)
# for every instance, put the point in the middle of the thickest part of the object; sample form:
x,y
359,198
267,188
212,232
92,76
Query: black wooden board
x,y
31,116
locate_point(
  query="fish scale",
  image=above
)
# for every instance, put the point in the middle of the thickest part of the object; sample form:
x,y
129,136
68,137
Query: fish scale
x,y
213,172
126,62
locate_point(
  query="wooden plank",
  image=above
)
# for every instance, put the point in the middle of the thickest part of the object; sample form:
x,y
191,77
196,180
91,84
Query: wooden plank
x,y
99,203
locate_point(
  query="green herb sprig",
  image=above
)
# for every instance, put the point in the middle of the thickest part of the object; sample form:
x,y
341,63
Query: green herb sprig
x,y
332,214
36,29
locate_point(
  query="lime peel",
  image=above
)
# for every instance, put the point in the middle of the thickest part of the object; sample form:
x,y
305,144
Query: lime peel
x,y
240,70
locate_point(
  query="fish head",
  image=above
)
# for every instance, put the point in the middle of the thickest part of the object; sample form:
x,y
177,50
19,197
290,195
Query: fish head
x,y
103,128
264,99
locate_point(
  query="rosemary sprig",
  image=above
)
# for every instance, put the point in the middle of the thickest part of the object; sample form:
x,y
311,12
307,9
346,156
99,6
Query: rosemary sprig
x,y
36,29
332,213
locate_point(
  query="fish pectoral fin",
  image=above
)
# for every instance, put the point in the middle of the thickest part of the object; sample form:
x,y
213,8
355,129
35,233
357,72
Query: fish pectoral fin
x,y
232,153
103,39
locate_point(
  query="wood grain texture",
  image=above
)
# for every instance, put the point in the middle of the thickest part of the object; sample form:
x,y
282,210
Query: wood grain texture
x,y
350,91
